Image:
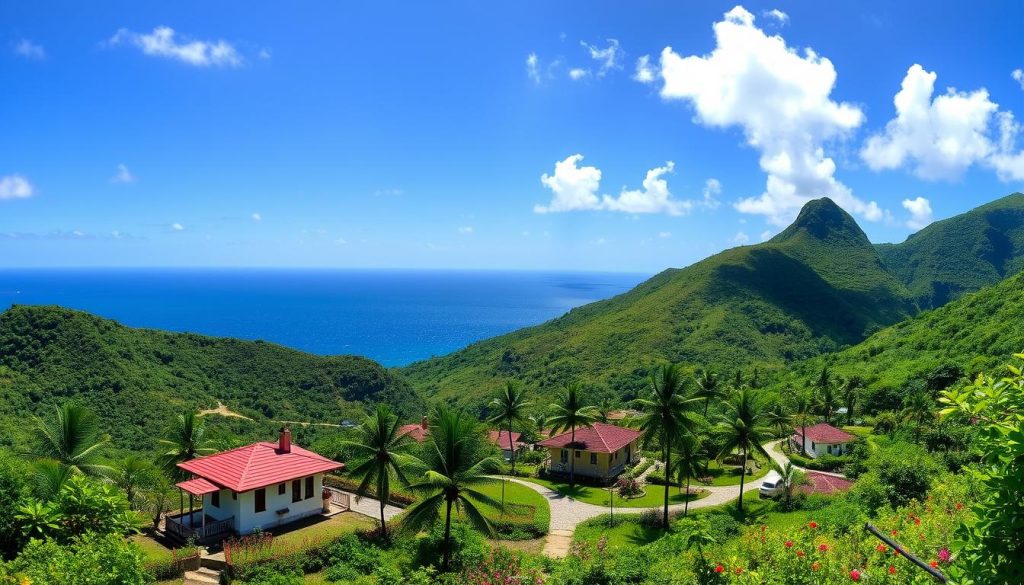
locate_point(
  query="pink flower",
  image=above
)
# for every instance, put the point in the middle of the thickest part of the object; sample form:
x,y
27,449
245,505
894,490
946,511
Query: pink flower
x,y
823,547
855,575
944,555
789,544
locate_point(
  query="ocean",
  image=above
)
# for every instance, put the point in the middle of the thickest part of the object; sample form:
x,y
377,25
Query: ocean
x,y
395,317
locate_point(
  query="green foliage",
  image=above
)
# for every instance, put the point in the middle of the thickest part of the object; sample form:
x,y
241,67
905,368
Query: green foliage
x,y
898,474
91,559
140,379
993,544
466,547
13,493
82,505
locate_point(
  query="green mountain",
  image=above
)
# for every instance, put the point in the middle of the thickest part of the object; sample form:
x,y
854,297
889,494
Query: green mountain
x,y
977,333
960,254
138,378
816,287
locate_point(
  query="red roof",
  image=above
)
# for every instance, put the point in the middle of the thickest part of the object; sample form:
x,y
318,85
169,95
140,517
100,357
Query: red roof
x,y
599,438
258,465
823,483
197,486
416,432
826,433
500,438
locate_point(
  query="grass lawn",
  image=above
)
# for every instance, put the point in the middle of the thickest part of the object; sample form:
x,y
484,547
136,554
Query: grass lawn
x,y
526,514
856,430
655,495
730,474
318,530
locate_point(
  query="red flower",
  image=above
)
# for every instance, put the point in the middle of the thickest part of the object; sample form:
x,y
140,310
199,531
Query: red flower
x,y
894,532
855,575
959,506
823,547
738,570
789,544
892,570
934,564
881,548
812,524
917,521
800,553
719,568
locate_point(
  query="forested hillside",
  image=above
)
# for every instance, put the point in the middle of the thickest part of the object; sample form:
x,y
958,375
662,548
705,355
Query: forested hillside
x,y
138,378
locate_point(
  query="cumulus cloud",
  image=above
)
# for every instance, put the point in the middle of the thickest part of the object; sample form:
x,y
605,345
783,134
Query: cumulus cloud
x,y
576,188
780,98
578,73
607,58
766,235
645,72
712,188
29,50
779,16
164,42
739,239
1018,76
15,187
123,175
920,212
177,227
533,67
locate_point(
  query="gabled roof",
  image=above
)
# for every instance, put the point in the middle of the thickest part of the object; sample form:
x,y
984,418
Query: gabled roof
x,y
823,483
258,465
599,438
416,432
826,433
500,438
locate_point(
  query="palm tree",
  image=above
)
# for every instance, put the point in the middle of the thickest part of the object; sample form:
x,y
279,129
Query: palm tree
x,y
708,388
185,440
851,394
73,440
803,409
568,414
666,412
742,427
604,409
779,418
455,467
133,474
918,408
379,447
690,461
509,408
828,401
790,478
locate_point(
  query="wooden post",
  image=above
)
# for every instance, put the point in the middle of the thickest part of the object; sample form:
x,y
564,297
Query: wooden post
x,y
181,503
191,513
935,573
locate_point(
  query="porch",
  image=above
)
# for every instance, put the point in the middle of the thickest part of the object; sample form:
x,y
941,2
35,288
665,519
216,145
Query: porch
x,y
197,526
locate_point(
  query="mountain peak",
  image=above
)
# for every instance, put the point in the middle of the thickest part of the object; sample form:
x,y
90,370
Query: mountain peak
x,y
822,219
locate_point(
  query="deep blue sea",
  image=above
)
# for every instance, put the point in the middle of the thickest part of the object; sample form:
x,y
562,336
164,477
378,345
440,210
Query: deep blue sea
x,y
395,317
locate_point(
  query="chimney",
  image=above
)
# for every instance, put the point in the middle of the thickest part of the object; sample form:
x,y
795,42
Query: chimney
x,y
423,423
284,443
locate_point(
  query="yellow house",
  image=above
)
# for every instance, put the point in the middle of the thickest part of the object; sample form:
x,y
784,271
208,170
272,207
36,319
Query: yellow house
x,y
601,451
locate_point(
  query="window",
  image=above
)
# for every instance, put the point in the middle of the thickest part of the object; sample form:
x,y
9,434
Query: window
x,y
215,499
261,500
282,488
577,454
234,495
296,490
593,458
309,487
564,456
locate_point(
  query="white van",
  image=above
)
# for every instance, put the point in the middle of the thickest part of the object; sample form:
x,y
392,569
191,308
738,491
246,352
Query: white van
x,y
771,485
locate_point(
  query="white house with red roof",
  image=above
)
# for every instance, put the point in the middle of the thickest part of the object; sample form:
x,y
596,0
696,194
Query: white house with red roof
x,y
508,444
260,486
416,432
601,451
823,439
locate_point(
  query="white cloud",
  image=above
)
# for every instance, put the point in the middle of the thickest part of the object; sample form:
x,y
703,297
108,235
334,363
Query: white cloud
x,y
645,72
664,235
577,73
941,137
920,212
177,227
533,67
712,188
264,53
256,217
1018,76
123,175
608,58
739,239
766,235
781,100
466,229
29,50
574,187
162,43
654,197
778,15
15,187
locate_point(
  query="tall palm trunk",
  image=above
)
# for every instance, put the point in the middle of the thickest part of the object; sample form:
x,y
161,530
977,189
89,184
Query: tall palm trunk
x,y
686,504
383,525
512,448
668,480
572,455
448,536
743,476
803,436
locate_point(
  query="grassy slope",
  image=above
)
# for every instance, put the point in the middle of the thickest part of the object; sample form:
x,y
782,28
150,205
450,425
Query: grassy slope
x,y
961,254
815,287
136,378
977,333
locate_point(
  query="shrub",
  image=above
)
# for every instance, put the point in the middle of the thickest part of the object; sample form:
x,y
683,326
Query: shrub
x,y
91,559
468,547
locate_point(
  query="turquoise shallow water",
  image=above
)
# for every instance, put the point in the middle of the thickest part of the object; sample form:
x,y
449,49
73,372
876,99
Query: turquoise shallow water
x,y
395,317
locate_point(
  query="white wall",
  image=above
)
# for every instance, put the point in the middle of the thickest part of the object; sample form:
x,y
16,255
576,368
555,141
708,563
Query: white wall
x,y
247,519
815,450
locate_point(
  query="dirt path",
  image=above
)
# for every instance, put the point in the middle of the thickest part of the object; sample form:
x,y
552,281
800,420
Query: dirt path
x,y
223,411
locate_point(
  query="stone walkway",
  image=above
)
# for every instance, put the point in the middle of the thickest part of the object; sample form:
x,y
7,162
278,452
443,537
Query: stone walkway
x,y
567,513
371,507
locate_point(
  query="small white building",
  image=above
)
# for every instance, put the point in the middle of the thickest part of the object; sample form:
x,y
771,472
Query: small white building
x,y
263,485
507,443
822,439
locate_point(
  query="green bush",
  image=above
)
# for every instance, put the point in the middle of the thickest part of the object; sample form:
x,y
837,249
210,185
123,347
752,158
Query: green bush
x,y
91,559
468,547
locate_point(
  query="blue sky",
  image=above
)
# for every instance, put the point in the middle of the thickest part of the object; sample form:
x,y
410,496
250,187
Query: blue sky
x,y
431,135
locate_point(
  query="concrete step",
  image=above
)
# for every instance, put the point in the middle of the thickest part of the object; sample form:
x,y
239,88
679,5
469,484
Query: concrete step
x,y
215,561
203,576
